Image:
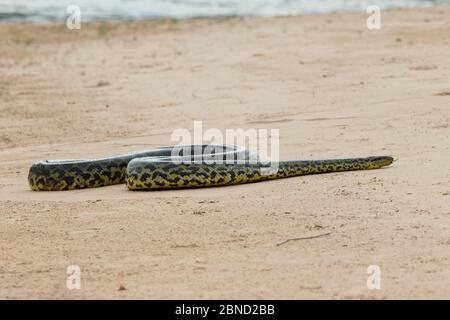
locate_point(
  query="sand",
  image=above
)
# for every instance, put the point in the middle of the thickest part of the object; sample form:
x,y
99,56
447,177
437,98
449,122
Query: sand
x,y
332,87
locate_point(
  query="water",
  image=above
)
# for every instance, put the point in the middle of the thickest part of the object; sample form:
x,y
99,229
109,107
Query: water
x,y
55,10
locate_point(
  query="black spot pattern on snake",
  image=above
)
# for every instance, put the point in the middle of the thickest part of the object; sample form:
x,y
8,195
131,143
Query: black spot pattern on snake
x,y
155,169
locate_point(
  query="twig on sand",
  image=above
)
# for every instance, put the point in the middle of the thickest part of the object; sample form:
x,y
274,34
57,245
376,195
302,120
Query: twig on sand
x,y
303,238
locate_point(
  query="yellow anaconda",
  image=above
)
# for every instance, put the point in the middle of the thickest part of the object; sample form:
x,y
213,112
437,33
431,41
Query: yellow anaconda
x,y
182,167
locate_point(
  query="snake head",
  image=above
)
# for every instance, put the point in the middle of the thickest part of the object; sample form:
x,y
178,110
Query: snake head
x,y
380,161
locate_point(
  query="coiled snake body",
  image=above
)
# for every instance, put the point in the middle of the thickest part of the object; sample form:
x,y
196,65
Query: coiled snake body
x,y
182,167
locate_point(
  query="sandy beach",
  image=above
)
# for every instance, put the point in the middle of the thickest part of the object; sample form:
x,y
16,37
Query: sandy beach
x,y
332,87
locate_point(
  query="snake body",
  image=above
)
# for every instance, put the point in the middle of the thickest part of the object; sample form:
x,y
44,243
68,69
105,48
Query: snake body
x,y
182,167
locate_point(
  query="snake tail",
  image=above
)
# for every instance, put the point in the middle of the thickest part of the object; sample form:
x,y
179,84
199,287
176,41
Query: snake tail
x,y
164,173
